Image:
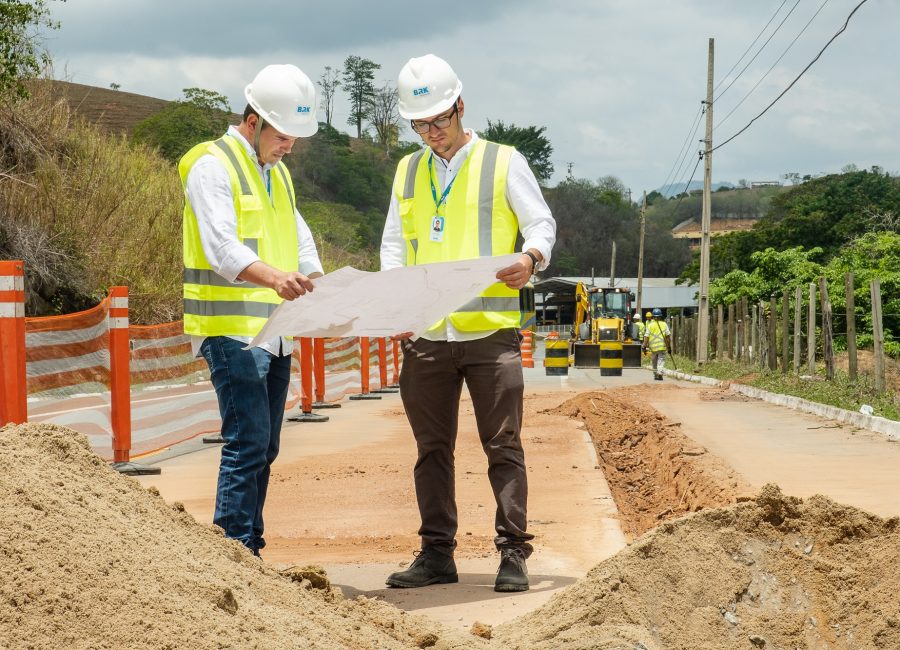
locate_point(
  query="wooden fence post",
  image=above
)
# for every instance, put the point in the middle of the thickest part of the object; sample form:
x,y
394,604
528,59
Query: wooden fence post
x,y
754,333
720,332
827,334
878,334
851,325
798,314
731,332
811,330
762,357
785,331
772,330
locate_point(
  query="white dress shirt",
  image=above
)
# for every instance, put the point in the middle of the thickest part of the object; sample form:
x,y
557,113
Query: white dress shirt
x,y
209,192
524,195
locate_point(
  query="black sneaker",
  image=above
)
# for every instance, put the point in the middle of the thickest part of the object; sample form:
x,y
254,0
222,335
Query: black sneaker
x,y
430,567
512,574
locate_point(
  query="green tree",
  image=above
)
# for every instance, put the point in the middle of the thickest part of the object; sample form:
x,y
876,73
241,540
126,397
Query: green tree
x,y
872,255
530,141
358,81
202,115
21,57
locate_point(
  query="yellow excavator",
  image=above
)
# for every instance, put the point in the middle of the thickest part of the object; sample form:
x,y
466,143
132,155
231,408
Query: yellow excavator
x,y
602,331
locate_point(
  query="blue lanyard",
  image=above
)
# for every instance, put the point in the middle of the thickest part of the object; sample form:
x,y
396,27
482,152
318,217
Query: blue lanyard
x,y
438,203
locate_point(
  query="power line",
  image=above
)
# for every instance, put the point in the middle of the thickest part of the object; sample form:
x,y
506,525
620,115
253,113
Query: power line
x,y
682,152
684,163
762,31
688,184
787,49
796,79
758,52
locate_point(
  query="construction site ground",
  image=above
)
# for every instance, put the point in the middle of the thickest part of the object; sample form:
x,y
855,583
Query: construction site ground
x,y
341,493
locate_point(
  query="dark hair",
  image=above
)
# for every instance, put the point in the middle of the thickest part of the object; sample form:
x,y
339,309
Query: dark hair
x,y
248,111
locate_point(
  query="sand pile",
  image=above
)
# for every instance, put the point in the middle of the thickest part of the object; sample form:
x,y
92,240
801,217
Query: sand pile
x,y
654,471
90,559
776,572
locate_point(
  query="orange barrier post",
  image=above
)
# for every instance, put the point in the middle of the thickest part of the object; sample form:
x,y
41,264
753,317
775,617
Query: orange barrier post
x,y
319,374
364,371
13,386
528,349
382,368
395,380
120,384
306,382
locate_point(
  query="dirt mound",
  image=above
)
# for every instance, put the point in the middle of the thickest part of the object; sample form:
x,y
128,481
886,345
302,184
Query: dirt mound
x,y
90,559
776,572
654,471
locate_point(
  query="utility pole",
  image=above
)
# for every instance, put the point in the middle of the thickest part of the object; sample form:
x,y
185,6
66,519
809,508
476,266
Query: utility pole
x,y
703,316
641,254
612,266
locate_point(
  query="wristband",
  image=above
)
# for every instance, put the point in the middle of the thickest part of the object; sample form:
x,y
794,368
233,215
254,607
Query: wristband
x,y
534,260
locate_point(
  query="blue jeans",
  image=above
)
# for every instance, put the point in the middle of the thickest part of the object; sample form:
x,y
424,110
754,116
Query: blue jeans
x,y
251,386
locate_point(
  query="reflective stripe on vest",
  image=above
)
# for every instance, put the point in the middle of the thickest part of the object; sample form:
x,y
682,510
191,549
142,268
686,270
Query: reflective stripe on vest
x,y
213,306
658,337
479,222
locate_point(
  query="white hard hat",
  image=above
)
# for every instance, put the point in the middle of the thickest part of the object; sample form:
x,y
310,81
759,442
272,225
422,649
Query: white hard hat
x,y
427,86
285,98
637,317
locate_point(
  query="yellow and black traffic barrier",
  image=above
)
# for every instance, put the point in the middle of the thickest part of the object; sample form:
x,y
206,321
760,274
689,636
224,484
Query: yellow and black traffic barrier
x,y
556,355
610,358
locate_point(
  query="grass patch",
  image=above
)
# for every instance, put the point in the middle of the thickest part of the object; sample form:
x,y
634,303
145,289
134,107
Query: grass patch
x,y
840,392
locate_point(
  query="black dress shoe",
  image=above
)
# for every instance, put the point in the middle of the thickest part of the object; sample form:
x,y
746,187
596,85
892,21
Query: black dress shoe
x,y
512,574
430,567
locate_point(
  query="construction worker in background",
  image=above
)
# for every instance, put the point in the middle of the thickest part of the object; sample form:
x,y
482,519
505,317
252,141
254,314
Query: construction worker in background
x,y
657,338
462,197
638,327
246,248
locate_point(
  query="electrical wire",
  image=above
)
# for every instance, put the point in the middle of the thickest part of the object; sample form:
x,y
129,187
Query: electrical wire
x,y
688,184
787,49
685,161
682,152
796,79
758,52
762,31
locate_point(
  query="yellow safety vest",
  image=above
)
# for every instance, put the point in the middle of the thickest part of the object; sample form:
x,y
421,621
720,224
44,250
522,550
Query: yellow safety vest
x,y
657,331
641,328
479,222
212,305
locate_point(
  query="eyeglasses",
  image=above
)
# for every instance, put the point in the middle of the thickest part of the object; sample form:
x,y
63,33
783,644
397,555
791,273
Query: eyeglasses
x,y
422,126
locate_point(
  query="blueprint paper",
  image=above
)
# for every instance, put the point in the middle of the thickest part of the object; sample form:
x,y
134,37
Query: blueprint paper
x,y
349,302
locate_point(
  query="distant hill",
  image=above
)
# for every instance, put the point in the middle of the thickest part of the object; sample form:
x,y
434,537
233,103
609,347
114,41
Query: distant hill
x,y
113,110
674,189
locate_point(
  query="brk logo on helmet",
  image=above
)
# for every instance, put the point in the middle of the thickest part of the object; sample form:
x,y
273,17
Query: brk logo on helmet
x,y
303,109
418,92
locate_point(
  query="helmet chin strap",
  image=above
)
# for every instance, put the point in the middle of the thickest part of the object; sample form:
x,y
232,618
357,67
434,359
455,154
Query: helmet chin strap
x,y
259,126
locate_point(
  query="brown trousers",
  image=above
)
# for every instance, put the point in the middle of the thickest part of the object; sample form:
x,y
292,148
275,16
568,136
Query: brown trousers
x,y
430,386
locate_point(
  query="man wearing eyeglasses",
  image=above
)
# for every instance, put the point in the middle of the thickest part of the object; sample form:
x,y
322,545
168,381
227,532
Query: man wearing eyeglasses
x,y
461,197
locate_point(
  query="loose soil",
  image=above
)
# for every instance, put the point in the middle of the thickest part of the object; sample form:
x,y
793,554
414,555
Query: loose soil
x,y
91,559
655,473
776,572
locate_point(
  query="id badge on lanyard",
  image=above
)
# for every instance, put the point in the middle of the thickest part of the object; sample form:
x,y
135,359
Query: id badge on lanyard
x,y
438,221
437,228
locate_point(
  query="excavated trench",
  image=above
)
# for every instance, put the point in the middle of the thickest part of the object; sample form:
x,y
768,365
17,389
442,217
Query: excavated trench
x,y
654,471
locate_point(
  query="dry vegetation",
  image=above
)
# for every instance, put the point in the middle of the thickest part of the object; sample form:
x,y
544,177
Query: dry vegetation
x,y
85,209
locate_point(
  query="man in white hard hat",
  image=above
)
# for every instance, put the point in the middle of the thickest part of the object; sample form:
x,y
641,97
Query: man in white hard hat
x,y
246,248
461,197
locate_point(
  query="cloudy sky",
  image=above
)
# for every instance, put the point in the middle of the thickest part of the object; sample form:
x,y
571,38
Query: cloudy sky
x,y
617,83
